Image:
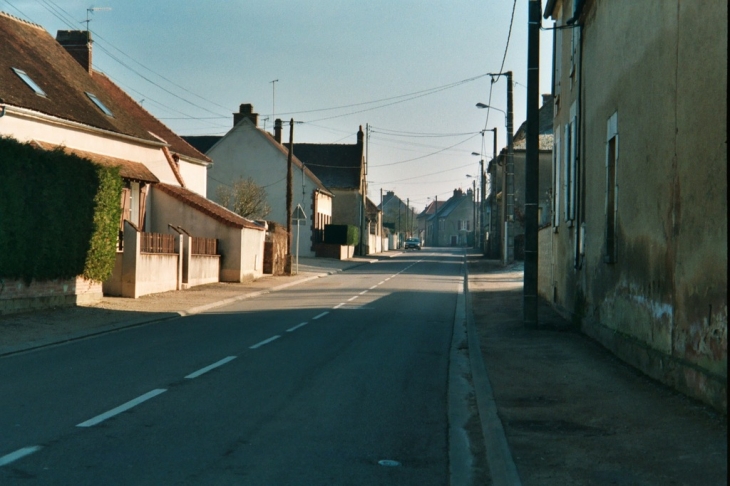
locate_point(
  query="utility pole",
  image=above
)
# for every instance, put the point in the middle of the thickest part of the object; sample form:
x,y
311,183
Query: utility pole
x,y
532,165
436,218
474,210
289,197
510,250
408,207
382,214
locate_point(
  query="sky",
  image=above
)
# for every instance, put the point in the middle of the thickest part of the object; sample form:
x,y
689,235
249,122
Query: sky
x,y
411,71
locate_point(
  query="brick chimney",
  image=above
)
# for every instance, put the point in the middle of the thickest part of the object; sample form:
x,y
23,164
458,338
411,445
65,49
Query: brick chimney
x,y
78,44
277,130
246,111
360,136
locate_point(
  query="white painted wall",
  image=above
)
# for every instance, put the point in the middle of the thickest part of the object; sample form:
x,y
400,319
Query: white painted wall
x,y
247,152
241,249
195,176
25,129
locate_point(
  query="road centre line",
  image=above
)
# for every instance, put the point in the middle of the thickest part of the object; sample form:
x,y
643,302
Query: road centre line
x,y
320,315
363,292
14,456
210,367
381,282
339,305
373,287
292,329
121,408
265,341
352,298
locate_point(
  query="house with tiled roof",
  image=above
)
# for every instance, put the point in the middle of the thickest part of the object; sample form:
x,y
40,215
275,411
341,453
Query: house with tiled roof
x,y
51,96
423,217
341,168
247,151
453,223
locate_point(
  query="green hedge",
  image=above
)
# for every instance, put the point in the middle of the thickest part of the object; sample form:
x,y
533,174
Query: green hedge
x,y
59,214
341,234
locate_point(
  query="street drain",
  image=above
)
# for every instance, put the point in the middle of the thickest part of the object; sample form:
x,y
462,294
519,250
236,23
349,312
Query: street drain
x,y
389,463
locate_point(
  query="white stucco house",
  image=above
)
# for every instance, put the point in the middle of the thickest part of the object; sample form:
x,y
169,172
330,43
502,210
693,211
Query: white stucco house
x,y
248,151
51,96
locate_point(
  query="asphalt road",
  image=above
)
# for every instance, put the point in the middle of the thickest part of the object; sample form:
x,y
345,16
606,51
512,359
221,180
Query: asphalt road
x,y
317,384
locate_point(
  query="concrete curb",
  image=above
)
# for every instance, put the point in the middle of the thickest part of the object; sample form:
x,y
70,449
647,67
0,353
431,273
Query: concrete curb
x,y
499,457
173,315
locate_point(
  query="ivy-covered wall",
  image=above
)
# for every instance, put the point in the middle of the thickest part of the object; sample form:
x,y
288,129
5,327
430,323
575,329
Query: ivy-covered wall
x,y
59,214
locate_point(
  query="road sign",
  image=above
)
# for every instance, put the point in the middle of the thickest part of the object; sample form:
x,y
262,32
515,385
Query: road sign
x,y
298,214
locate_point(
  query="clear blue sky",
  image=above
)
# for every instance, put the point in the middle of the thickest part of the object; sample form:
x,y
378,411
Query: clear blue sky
x,y
340,54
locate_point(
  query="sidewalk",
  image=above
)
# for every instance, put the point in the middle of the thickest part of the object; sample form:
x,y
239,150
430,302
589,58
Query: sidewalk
x,y
22,332
572,413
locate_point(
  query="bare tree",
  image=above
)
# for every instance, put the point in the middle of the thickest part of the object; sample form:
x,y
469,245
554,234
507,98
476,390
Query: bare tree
x,y
245,198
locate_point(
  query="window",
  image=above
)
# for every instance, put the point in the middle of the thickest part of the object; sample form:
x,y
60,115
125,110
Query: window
x,y
611,187
31,84
99,104
570,177
557,193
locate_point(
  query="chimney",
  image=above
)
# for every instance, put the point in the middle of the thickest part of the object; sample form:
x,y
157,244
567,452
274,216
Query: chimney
x,y
546,98
360,136
390,193
246,111
277,130
78,44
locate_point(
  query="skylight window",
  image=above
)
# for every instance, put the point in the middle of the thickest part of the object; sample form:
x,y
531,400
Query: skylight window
x,y
99,104
27,80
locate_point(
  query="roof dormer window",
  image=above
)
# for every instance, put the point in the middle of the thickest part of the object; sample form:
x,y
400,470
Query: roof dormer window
x,y
27,80
99,104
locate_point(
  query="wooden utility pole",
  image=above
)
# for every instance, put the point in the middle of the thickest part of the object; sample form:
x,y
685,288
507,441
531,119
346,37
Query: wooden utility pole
x,y
532,165
289,197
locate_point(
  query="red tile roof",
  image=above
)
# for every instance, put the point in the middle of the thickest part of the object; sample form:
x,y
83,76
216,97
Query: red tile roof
x,y
30,48
128,169
208,207
147,121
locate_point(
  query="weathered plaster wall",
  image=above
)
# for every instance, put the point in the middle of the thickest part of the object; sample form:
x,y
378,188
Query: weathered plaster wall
x,y
662,67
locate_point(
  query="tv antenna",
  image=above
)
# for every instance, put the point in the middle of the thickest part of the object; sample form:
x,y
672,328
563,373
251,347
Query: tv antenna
x,y
91,10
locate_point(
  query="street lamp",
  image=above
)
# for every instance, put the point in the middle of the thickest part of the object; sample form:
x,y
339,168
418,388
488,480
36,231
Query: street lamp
x,y
484,105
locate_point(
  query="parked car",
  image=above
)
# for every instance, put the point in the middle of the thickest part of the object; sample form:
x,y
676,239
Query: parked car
x,y
414,243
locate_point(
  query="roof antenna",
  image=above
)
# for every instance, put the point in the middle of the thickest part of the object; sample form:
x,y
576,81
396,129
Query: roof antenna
x,y
91,10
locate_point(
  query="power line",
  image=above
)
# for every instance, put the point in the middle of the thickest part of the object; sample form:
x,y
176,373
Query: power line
x,y
427,155
415,93
426,175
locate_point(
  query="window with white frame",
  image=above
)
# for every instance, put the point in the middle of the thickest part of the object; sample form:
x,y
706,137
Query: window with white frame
x,y
611,187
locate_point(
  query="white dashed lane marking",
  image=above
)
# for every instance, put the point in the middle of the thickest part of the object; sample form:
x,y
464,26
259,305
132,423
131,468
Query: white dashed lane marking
x,y
121,408
20,453
320,315
265,341
210,367
292,329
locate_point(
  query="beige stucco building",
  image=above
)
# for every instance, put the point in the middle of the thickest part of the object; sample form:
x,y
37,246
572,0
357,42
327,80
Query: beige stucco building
x,y
638,250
